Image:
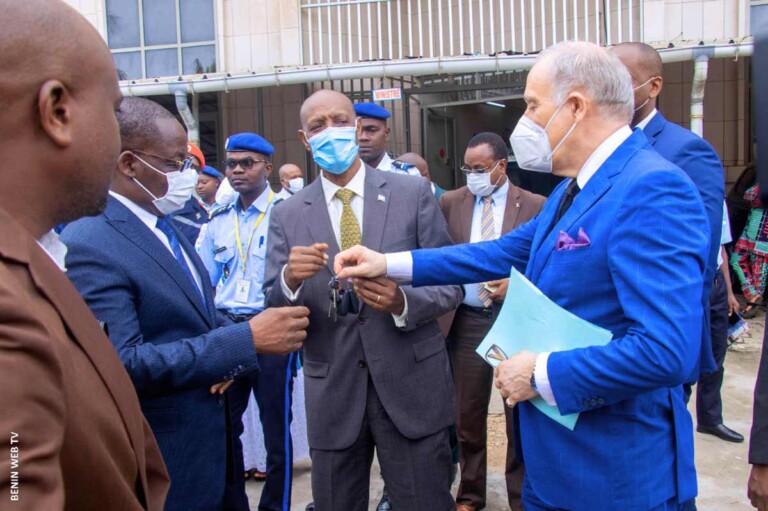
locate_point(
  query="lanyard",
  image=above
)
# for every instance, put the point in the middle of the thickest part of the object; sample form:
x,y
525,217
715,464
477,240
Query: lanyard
x,y
243,258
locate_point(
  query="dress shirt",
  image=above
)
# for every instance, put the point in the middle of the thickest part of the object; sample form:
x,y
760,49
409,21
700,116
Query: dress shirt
x,y
283,194
498,205
642,124
400,264
335,207
219,252
150,221
725,234
55,248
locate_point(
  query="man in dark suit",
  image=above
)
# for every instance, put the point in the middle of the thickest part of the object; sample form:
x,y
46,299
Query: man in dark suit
x,y
758,442
73,436
377,376
144,280
701,163
490,196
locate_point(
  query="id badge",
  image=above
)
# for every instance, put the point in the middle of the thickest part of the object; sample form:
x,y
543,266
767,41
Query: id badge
x,y
242,288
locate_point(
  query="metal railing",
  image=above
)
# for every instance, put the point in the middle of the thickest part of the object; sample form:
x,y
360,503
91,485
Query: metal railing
x,y
347,31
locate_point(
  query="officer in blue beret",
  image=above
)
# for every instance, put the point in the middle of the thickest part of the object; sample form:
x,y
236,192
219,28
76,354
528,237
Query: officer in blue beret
x,y
208,181
234,250
374,137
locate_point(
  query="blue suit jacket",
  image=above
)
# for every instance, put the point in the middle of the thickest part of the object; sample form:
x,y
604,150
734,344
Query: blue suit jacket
x,y
640,278
699,160
166,336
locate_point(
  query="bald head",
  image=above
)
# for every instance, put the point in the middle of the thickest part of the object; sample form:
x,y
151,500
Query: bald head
x,y
325,100
645,67
58,96
417,161
289,171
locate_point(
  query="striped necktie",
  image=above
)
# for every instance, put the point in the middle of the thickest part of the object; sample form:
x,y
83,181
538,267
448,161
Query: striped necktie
x,y
486,233
164,224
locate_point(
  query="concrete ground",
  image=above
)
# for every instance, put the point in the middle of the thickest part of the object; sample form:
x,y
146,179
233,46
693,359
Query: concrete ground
x,y
722,466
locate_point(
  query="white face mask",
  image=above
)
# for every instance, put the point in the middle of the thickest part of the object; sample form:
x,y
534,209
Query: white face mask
x,y
649,98
181,184
295,184
530,144
480,184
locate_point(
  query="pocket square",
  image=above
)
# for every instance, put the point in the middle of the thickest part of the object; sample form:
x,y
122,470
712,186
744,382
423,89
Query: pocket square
x,y
565,242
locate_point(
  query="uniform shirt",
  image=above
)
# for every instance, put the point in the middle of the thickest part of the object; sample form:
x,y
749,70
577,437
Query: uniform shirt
x,y
150,221
386,165
283,194
221,256
498,205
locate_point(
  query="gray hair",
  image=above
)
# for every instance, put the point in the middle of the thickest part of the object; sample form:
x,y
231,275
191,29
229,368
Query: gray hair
x,y
602,76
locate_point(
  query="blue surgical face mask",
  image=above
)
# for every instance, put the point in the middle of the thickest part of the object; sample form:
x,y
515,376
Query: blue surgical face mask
x,y
335,149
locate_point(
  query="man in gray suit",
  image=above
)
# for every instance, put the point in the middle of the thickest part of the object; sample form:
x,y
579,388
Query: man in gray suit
x,y
377,377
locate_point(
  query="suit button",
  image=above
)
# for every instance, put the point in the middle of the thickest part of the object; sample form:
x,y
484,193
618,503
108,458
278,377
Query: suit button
x,y
362,320
362,364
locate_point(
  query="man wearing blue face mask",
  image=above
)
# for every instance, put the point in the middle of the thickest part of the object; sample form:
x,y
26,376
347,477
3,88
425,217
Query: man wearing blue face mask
x,y
622,243
376,376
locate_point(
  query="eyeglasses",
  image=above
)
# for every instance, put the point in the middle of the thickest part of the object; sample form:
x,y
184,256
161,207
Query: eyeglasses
x,y
467,171
180,165
245,163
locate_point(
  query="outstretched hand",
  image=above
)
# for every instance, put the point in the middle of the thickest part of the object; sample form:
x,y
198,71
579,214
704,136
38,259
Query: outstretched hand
x,y
359,261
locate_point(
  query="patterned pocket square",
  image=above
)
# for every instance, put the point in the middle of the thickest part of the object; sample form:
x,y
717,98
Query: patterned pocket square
x,y
565,242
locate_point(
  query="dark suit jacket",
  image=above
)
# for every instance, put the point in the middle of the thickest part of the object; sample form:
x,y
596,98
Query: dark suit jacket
x,y
701,163
166,336
83,443
409,366
758,440
458,207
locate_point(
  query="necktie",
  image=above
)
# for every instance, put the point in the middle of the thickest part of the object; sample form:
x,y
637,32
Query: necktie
x,y
571,191
164,224
486,233
350,227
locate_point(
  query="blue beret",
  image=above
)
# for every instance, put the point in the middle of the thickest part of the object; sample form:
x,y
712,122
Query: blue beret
x,y
249,142
210,171
371,110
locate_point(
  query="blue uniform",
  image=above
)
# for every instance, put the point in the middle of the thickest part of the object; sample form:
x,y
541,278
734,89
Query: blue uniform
x,y
239,280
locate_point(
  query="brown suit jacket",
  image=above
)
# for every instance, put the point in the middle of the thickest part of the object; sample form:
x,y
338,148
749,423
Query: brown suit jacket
x,y
69,410
458,206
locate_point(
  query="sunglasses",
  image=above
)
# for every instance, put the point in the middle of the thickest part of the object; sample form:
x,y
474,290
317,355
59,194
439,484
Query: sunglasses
x,y
244,163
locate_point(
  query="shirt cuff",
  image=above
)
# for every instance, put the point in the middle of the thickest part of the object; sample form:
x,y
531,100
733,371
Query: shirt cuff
x,y
542,379
401,320
286,290
400,266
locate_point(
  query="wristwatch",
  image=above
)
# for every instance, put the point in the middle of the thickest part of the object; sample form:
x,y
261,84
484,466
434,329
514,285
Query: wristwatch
x,y
533,378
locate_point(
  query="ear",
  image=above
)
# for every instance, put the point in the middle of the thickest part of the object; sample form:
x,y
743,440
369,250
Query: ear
x,y
54,106
268,169
577,105
359,127
304,140
386,135
126,164
657,83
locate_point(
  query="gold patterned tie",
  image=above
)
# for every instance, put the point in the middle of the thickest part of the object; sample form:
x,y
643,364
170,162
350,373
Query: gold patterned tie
x,y
486,233
350,227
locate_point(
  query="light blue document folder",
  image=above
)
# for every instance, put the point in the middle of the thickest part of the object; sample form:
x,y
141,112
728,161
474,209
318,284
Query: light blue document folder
x,y
530,321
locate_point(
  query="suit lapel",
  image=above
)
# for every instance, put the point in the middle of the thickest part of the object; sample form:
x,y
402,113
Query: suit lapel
x,y
654,128
512,210
318,221
466,211
375,208
129,225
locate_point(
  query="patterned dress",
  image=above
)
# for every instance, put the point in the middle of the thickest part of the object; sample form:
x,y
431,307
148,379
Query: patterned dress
x,y
750,255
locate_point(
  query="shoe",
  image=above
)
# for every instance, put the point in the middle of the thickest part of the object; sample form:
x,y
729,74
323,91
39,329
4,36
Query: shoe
x,y
722,432
310,507
384,504
465,507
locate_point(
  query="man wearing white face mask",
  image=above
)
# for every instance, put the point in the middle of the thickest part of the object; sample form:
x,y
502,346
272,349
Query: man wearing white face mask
x,y
487,208
145,282
622,243
291,180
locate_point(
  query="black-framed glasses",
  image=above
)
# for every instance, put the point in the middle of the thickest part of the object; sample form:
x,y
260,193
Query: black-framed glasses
x,y
244,163
467,171
181,165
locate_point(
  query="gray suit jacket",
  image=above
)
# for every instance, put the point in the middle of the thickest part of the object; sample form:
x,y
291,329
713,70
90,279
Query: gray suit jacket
x,y
409,366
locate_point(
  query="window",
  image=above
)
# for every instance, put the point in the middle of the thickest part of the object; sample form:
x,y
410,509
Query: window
x,y
156,38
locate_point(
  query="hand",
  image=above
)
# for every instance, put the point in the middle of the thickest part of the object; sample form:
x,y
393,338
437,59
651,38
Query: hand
x,y
303,263
359,261
381,294
279,330
222,387
501,289
733,303
513,378
757,487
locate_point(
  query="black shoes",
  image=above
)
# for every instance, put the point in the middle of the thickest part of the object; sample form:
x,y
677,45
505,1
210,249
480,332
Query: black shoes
x,y
722,432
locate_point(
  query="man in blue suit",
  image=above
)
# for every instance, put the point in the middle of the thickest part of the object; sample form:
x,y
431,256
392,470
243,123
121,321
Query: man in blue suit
x,y
701,163
623,244
144,280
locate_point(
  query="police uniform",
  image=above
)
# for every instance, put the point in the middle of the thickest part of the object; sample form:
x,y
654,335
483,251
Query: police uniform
x,y
234,250
190,219
374,111
210,171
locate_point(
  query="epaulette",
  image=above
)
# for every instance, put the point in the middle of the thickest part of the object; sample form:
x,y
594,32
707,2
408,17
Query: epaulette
x,y
218,211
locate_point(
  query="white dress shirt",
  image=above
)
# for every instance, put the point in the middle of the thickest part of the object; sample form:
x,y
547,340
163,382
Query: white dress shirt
x,y
150,221
498,205
335,208
283,194
642,124
55,248
400,264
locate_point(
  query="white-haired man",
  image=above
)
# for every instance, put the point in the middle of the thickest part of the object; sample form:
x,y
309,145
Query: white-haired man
x,y
623,244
